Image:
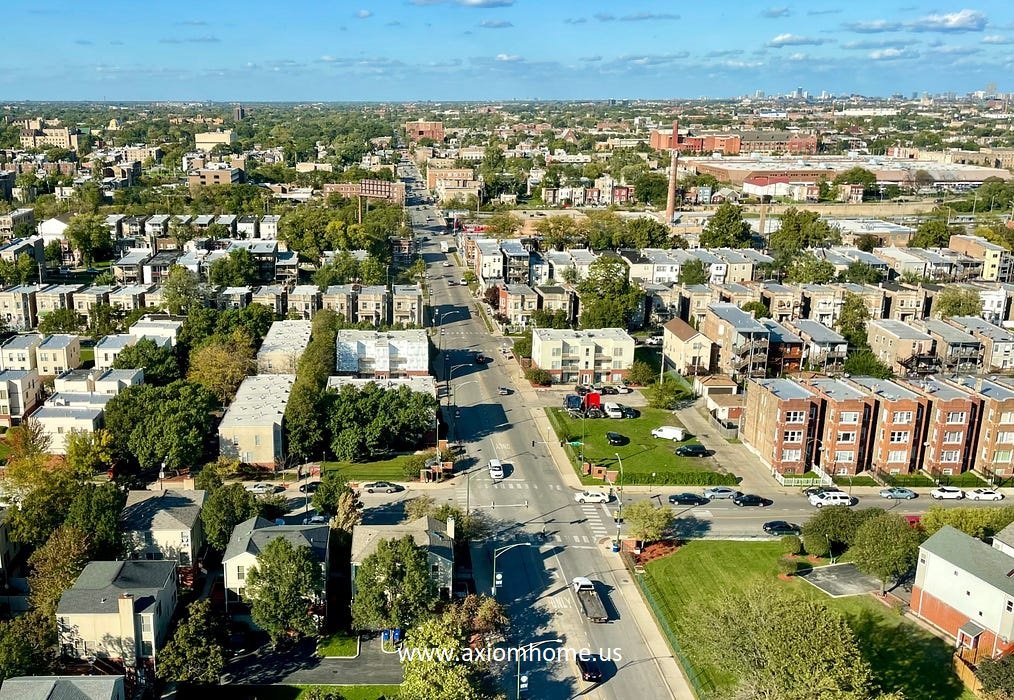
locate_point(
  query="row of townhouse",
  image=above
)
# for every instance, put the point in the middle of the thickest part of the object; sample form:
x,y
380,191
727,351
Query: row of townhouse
x,y
152,266
78,402
844,426
158,226
955,344
378,305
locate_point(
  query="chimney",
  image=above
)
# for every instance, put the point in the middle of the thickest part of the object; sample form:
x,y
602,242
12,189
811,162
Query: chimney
x,y
670,203
450,527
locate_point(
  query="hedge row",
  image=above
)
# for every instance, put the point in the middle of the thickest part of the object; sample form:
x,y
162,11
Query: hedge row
x,y
701,478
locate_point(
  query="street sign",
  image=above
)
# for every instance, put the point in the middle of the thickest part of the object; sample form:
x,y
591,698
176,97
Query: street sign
x,y
524,682
499,580
576,443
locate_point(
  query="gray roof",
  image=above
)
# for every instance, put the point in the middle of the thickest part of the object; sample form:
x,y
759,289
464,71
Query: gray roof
x,y
737,318
974,556
426,532
898,329
837,390
23,342
103,582
947,332
1005,536
779,333
986,388
785,388
148,511
817,331
254,534
62,688
884,388
974,324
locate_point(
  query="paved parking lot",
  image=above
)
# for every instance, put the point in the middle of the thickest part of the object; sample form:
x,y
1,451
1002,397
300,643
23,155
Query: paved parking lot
x,y
840,580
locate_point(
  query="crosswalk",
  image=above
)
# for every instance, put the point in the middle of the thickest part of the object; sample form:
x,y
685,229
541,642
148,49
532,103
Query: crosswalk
x,y
593,514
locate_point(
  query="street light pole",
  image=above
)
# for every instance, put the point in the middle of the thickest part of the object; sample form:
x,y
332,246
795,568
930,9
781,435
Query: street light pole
x,y
501,550
619,495
528,649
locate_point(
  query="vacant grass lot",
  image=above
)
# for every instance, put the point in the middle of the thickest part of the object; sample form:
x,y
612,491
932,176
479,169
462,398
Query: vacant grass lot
x,y
903,656
641,456
338,644
382,470
296,692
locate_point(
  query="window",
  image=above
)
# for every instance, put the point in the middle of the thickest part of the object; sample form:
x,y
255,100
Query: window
x,y
849,436
956,417
145,623
843,456
949,456
1010,606
257,440
899,436
848,417
240,573
902,417
792,436
1001,456
1005,436
897,456
792,455
617,352
556,352
795,416
1007,417
953,436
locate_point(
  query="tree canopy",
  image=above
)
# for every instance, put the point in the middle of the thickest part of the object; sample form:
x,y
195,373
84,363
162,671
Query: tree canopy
x,y
393,587
727,229
886,546
224,509
957,301
800,230
195,653
608,300
694,272
160,364
284,589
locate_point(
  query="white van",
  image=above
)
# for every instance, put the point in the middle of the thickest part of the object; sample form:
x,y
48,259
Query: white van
x,y
670,432
612,410
830,498
495,470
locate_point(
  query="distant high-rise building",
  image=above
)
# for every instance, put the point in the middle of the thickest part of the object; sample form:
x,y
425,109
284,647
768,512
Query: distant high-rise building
x,y
758,94
798,94
238,113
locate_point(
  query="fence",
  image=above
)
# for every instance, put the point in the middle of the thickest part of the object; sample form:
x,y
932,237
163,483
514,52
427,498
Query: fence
x,y
966,672
801,481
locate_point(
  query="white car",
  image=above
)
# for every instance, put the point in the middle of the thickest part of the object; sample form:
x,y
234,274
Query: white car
x,y
830,498
948,492
314,520
592,497
623,389
984,495
446,263
262,488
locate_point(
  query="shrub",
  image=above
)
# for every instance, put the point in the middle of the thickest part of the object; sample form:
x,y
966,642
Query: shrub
x,y
538,376
792,545
641,373
787,566
699,478
815,544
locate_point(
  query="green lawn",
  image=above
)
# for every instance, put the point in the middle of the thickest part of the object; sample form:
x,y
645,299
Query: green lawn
x,y
338,644
641,456
382,470
295,692
903,656
88,355
861,480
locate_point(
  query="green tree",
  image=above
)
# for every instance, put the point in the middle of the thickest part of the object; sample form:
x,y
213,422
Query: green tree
x,y
983,523
608,299
559,232
932,233
208,479
60,321
808,269
546,318
101,321
727,229
867,242
652,188
89,453
223,510
538,376
857,176
886,546
393,587
434,678
667,394
54,254
55,566
863,363
284,588
25,645
997,677
862,273
852,319
236,269
222,364
159,363
641,373
503,225
800,230
181,291
90,237
838,524
328,496
648,522
957,301
757,308
694,272
195,653
42,509
96,510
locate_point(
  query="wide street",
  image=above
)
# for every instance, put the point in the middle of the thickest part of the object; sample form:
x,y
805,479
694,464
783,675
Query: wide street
x,y
532,496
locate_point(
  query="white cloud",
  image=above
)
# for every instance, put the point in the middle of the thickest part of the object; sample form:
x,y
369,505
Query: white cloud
x,y
495,24
892,54
364,14
996,39
795,40
508,58
874,26
961,21
775,12
799,56
485,3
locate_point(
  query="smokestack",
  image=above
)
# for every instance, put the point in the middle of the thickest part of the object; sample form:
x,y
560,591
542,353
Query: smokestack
x,y
670,204
763,221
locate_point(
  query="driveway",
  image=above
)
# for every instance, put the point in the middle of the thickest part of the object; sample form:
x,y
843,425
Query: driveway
x,y
840,580
300,664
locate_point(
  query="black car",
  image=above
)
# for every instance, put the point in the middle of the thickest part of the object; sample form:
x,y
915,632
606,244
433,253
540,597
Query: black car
x,y
629,412
616,439
479,358
609,390
748,499
581,389
310,488
693,450
687,499
590,668
781,527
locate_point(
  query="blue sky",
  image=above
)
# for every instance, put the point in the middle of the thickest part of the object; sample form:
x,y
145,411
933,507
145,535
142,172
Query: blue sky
x,y
333,50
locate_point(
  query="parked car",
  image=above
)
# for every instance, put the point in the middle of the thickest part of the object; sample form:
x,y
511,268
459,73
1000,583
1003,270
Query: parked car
x,y
594,413
984,495
310,487
263,489
385,486
609,390
314,520
816,490
781,527
503,391
581,389
947,492
463,282
445,263
692,450
629,411
713,492
687,499
588,665
749,499
894,492
616,439
670,432
479,358
592,497
612,410
623,389
830,498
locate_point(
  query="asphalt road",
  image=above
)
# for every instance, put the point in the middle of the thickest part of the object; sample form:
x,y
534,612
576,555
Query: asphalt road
x,y
532,495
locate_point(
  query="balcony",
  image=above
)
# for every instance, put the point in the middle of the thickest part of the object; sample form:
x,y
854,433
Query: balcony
x,y
751,346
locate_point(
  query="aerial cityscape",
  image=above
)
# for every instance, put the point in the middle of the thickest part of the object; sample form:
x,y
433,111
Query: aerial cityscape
x,y
493,349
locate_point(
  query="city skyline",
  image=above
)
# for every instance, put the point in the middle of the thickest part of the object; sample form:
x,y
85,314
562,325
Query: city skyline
x,y
499,49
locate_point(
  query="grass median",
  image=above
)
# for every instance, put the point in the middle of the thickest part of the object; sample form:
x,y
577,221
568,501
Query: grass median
x,y
392,469
642,454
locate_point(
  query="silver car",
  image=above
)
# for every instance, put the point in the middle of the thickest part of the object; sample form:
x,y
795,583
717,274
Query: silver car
x,y
714,492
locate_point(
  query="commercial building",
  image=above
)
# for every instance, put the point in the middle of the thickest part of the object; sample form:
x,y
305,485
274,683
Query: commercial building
x,y
215,174
251,429
420,129
583,356
283,346
383,354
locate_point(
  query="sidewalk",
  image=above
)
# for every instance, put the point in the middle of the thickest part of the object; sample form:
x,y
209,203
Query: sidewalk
x,y
734,457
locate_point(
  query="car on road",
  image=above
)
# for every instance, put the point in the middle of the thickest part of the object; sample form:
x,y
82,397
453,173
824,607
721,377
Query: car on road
x,y
608,390
749,499
384,486
479,358
314,520
984,495
687,499
592,497
947,493
463,282
588,665
692,450
581,389
446,263
714,492
623,389
616,439
451,283
898,492
503,391
781,527
495,469
830,498
262,488
817,490
310,487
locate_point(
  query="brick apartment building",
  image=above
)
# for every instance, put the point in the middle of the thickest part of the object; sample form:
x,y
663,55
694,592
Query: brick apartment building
x,y
900,418
845,426
419,129
780,422
902,347
995,440
951,421
789,142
